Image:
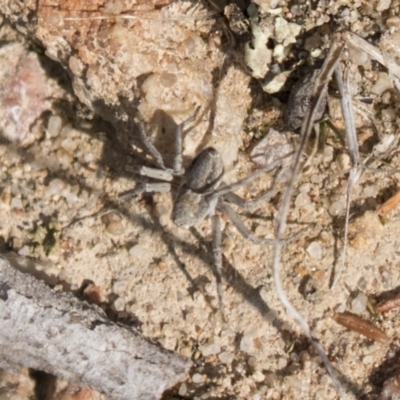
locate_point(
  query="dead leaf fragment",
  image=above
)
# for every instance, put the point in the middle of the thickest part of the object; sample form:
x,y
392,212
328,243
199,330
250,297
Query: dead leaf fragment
x,y
361,326
389,204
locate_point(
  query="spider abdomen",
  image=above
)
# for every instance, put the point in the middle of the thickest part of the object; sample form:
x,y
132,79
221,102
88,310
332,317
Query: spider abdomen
x,y
205,172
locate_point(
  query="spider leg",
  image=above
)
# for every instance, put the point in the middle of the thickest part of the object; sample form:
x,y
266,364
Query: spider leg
x,y
154,173
240,226
150,147
246,233
249,204
216,246
145,187
248,179
177,168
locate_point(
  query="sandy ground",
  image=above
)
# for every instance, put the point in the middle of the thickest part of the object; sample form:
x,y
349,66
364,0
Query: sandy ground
x,y
60,178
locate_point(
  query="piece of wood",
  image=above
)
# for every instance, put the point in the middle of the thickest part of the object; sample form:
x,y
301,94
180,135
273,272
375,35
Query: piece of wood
x,y
56,333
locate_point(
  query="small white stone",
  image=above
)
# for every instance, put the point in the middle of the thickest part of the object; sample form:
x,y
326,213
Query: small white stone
x,y
119,304
343,162
359,304
226,358
88,157
258,376
246,344
328,154
302,200
138,251
370,191
383,5
69,145
24,251
304,188
314,250
197,378
55,187
336,208
316,52
16,203
182,390
54,126
277,83
209,349
368,360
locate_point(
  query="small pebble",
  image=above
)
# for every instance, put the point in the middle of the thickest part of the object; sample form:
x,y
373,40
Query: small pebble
x,y
226,358
182,390
197,378
302,200
368,360
16,203
24,251
69,145
119,304
246,344
383,5
314,250
138,251
294,357
54,126
343,162
209,349
359,303
258,376
336,208
370,191
55,187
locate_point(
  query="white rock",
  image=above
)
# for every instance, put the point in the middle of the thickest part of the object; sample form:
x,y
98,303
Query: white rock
x,y
69,145
383,5
246,344
197,378
54,126
371,191
55,187
336,208
258,376
24,251
314,250
119,304
16,203
302,200
209,349
226,357
276,83
359,304
368,360
182,389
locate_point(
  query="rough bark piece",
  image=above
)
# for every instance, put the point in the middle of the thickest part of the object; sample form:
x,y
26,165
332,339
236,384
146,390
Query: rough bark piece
x,y
55,332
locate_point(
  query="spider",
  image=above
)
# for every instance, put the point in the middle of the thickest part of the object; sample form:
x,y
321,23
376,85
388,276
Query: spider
x,y
201,193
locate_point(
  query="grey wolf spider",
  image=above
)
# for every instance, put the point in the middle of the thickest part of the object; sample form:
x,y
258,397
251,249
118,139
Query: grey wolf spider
x,y
201,193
